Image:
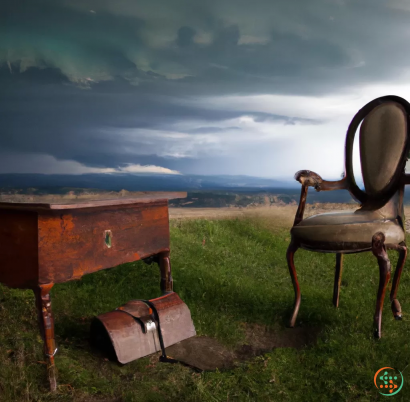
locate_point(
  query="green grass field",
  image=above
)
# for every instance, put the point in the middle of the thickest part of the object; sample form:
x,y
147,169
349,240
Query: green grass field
x,y
238,278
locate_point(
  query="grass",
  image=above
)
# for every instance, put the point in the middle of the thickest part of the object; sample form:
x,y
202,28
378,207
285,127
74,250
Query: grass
x,y
239,276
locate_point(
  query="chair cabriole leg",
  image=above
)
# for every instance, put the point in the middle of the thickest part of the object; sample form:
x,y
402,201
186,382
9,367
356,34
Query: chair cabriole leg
x,y
379,251
395,305
292,270
338,279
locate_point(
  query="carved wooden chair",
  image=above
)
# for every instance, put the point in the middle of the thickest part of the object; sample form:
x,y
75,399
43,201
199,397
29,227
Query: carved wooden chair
x,y
378,224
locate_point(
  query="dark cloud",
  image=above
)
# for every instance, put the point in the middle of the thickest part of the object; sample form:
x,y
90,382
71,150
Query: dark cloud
x,y
185,36
97,81
41,111
327,40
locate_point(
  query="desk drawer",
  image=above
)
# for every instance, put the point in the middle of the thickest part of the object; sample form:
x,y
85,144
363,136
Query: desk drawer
x,y
77,242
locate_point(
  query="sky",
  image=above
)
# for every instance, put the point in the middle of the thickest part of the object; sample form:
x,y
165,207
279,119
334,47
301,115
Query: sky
x,y
233,87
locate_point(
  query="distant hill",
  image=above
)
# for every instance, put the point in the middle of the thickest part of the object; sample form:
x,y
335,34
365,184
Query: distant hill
x,y
203,191
140,182
238,197
246,197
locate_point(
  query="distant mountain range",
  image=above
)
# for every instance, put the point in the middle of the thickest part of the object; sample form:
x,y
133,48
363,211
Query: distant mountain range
x,y
211,191
141,182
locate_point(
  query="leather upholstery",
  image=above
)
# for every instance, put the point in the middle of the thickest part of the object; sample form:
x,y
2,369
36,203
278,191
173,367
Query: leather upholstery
x,y
346,230
382,141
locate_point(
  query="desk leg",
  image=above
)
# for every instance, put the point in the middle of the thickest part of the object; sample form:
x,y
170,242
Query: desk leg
x,y
46,324
166,276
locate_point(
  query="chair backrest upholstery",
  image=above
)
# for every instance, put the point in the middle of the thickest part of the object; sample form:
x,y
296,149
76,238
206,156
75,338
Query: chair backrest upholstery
x,y
384,145
383,138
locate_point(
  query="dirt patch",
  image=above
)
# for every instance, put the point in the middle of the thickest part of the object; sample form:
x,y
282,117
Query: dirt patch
x,y
208,354
262,339
203,352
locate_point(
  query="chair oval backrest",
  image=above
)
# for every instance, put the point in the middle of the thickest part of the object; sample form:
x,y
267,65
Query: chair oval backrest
x,y
384,144
383,139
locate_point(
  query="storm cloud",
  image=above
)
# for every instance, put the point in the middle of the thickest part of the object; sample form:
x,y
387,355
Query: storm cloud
x,y
229,87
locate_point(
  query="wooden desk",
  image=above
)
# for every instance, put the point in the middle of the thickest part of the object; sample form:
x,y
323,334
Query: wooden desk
x,y
45,243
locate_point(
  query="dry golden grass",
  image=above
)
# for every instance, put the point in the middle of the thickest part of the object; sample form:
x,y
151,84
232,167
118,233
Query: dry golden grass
x,y
274,216
206,213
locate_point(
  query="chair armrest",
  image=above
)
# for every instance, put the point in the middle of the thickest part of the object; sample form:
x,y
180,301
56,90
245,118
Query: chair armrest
x,y
312,179
302,203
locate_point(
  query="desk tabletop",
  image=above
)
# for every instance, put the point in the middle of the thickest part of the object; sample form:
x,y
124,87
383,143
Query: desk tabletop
x,y
70,201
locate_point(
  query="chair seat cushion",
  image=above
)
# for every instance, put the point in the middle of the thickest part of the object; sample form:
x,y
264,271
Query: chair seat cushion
x,y
346,230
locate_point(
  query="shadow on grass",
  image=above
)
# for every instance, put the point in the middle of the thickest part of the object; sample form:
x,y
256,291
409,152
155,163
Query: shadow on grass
x,y
262,322
270,309
240,322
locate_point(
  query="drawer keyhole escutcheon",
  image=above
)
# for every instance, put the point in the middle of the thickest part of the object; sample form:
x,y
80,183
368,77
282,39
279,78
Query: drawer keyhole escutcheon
x,y
107,238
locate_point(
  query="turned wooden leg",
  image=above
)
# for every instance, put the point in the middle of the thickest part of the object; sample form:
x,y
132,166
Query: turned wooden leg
x,y
46,324
395,305
379,250
292,270
338,279
166,275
